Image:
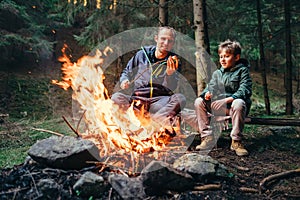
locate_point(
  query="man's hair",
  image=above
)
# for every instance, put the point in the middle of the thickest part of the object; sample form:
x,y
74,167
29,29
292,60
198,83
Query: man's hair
x,y
168,28
232,47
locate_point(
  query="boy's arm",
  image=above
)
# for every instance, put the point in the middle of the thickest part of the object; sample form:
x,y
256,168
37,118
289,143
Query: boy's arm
x,y
245,87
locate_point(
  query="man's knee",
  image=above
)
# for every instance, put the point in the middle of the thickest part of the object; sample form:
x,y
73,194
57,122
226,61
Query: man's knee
x,y
180,99
120,99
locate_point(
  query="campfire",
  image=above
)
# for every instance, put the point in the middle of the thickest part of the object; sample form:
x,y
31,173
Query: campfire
x,y
116,132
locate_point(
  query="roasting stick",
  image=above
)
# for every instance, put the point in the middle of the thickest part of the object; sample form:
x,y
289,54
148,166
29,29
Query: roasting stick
x,y
47,131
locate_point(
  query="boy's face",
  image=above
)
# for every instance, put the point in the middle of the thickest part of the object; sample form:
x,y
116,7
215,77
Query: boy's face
x,y
228,60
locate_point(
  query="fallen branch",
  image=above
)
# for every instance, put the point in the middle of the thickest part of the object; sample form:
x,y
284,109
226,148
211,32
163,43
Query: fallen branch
x,y
71,126
248,190
265,182
15,190
47,131
208,187
245,169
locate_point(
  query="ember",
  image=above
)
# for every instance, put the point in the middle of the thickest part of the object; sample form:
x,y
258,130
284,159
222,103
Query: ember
x,y
113,130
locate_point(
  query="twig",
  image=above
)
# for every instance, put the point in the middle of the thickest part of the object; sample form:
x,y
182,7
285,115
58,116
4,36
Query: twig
x,y
263,184
245,169
208,187
47,131
80,121
71,126
14,191
109,194
37,191
248,190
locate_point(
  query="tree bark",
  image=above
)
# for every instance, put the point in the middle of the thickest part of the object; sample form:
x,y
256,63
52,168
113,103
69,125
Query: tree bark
x,y
289,84
203,68
262,60
163,12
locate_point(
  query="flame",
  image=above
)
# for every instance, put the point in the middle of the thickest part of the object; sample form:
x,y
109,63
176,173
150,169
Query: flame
x,y
109,127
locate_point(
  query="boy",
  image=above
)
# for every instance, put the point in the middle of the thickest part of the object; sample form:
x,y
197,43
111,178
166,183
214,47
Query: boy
x,y
228,92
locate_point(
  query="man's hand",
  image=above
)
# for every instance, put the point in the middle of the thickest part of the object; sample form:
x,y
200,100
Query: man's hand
x,y
172,65
125,84
207,96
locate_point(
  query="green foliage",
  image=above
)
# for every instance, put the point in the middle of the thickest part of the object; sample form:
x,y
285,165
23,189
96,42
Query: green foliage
x,y
28,31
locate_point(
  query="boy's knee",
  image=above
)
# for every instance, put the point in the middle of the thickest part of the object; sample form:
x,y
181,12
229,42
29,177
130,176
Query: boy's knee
x,y
199,101
238,104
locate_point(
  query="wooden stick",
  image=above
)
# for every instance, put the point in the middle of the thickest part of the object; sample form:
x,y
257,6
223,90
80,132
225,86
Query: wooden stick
x,y
208,187
285,174
248,190
71,126
47,131
80,121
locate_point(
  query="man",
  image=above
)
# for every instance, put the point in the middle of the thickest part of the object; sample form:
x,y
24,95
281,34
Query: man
x,y
154,72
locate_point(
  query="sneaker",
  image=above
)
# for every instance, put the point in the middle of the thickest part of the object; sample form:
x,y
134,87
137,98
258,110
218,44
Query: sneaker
x,y
239,148
207,143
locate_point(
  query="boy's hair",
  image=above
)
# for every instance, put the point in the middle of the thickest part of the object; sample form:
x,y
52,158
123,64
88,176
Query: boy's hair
x,y
233,47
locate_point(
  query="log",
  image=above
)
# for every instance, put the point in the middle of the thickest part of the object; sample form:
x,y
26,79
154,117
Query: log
x,y
263,121
273,121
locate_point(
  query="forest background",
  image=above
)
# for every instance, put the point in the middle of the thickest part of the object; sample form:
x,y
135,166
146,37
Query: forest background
x,y
34,32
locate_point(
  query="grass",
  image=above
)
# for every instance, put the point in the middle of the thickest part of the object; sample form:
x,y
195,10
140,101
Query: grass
x,y
16,138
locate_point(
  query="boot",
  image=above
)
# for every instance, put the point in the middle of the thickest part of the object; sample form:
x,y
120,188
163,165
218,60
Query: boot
x,y
207,143
238,147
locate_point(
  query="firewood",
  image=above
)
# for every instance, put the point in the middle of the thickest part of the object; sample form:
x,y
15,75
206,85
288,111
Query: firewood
x,y
78,135
264,183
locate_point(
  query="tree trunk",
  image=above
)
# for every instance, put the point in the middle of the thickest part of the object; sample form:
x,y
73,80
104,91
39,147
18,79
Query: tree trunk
x,y
163,12
201,41
262,60
289,84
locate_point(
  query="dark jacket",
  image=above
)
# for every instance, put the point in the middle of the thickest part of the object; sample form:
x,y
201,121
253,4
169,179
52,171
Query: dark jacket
x,y
139,68
233,82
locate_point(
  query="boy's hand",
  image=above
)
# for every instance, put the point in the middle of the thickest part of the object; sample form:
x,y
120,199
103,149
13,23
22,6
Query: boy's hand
x,y
172,65
218,104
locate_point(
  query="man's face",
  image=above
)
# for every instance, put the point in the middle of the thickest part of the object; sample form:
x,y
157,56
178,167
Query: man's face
x,y
227,60
165,40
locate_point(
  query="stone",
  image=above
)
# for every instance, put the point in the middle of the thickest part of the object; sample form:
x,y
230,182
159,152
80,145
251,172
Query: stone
x,y
160,177
64,152
126,187
90,184
201,167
